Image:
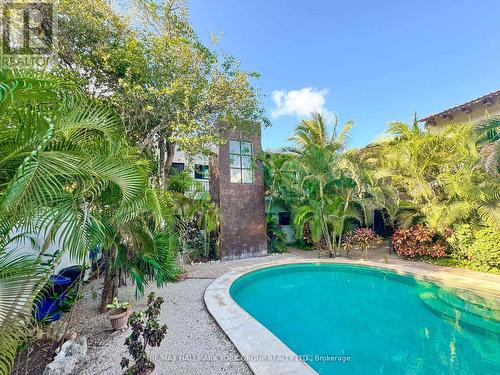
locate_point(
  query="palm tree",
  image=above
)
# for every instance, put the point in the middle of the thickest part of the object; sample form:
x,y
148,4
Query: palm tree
x,y
442,174
319,155
192,211
137,241
58,153
280,179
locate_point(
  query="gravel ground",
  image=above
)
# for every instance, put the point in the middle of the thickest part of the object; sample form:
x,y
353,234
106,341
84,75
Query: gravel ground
x,y
193,344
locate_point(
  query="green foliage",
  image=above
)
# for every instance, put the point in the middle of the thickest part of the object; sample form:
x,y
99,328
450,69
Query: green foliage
x,y
479,245
449,177
485,250
67,170
146,332
138,241
117,305
442,174
60,154
195,218
70,299
280,179
326,187
21,278
461,240
167,85
348,243
276,238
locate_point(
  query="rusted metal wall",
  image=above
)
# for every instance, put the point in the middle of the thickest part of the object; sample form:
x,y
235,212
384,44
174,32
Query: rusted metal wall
x,y
243,224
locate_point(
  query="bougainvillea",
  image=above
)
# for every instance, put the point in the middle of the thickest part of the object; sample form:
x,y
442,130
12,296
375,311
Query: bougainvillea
x,y
418,241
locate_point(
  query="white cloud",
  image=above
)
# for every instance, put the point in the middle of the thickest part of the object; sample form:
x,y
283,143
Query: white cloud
x,y
300,102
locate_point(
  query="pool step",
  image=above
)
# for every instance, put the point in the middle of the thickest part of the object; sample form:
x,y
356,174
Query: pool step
x,y
456,315
480,306
491,302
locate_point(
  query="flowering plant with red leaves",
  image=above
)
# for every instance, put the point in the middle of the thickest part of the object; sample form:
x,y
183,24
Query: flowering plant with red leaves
x,y
364,238
418,241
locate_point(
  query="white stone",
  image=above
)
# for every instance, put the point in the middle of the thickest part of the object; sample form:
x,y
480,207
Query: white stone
x,y
72,351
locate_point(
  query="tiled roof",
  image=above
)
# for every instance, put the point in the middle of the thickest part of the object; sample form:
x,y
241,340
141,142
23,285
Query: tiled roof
x,y
485,99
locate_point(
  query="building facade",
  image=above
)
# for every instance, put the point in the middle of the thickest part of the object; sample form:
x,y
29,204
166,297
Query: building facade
x,y
237,187
472,112
235,181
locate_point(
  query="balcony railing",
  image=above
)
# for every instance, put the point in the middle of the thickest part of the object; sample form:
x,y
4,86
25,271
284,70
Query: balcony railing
x,y
199,186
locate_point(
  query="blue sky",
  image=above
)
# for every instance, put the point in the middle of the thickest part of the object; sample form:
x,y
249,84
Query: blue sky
x,y
371,62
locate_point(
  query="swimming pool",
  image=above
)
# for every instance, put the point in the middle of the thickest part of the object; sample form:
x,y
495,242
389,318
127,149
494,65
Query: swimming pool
x,y
347,319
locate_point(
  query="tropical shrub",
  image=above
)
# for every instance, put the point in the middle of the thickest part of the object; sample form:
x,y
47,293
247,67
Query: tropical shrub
x,y
116,304
478,244
138,241
276,238
21,279
193,239
146,331
448,176
460,240
348,243
307,236
485,250
418,241
327,187
195,220
365,238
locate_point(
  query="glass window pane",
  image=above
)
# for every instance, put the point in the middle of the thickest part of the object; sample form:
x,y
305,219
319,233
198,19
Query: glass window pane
x,y
176,168
201,171
235,175
235,161
246,162
246,148
247,176
234,147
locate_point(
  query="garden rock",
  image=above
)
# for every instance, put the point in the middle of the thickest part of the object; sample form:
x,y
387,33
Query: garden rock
x,y
70,354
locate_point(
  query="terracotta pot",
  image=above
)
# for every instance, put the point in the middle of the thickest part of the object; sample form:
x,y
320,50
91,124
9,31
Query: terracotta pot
x,y
118,318
150,370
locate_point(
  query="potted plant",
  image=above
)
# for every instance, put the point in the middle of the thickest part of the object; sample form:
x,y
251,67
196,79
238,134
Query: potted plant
x,y
118,314
146,331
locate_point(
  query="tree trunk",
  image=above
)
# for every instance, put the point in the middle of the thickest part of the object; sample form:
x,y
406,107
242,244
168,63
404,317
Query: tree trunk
x,y
346,205
326,234
170,158
110,286
161,163
324,224
167,152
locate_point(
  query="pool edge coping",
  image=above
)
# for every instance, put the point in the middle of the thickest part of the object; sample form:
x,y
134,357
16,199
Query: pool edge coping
x,y
255,342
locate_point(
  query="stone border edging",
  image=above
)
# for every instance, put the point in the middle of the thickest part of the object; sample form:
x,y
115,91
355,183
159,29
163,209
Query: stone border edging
x,y
255,342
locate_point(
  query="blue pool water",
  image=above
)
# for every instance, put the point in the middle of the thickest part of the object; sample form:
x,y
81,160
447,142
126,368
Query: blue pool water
x,y
358,320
